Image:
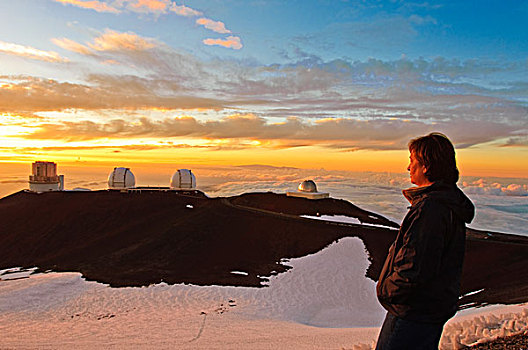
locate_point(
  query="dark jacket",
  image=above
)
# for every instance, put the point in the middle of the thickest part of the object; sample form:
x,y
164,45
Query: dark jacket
x,y
420,280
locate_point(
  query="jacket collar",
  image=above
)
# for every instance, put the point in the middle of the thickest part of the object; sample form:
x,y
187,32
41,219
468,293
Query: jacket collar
x,y
449,195
414,193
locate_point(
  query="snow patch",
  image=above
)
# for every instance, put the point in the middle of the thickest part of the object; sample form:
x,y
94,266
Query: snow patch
x,y
471,293
325,289
483,328
16,273
343,219
240,273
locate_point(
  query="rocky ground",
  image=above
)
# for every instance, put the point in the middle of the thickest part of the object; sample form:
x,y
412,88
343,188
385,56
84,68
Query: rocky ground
x,y
137,239
515,342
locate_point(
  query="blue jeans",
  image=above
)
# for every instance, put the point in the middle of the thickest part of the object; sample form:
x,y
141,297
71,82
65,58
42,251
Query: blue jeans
x,y
399,334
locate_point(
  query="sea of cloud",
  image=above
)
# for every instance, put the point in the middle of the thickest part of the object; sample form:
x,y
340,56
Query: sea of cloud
x,y
501,203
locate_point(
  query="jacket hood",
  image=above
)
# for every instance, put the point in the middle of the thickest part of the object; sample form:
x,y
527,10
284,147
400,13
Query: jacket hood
x,y
449,195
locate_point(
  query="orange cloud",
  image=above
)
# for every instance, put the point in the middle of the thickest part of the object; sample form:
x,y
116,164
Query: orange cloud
x,y
215,26
114,148
71,45
30,52
183,10
159,6
232,42
112,40
91,5
138,6
108,41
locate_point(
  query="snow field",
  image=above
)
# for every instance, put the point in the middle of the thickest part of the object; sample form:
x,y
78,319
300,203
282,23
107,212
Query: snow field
x,y
323,302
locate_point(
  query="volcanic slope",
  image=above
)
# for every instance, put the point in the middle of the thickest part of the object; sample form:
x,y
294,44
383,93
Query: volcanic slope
x,y
135,239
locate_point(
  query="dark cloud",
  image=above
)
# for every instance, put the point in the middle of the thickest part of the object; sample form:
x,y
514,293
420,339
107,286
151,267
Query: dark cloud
x,y
518,140
131,147
13,181
28,94
341,133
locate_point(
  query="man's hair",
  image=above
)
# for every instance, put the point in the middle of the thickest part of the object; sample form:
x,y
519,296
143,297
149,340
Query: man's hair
x,y
437,154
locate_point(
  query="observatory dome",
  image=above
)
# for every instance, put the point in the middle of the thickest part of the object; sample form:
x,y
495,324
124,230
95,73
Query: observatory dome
x,y
121,178
307,186
183,179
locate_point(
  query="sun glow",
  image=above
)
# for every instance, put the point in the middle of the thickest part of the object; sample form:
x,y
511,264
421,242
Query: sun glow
x,y
93,141
14,147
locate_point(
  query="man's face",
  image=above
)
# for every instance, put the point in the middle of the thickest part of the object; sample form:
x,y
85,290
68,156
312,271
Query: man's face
x,y
417,171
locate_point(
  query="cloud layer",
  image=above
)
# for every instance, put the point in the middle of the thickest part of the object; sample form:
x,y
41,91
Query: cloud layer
x,y
340,104
338,133
484,186
27,95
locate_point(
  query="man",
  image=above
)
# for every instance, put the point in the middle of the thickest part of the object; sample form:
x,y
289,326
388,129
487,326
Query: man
x,y
419,284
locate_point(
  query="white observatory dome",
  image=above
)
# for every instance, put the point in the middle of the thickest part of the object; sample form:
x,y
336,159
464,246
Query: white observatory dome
x,y
183,179
307,186
121,178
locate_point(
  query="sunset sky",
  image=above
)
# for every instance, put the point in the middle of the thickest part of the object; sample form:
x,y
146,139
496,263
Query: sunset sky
x,y
311,84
